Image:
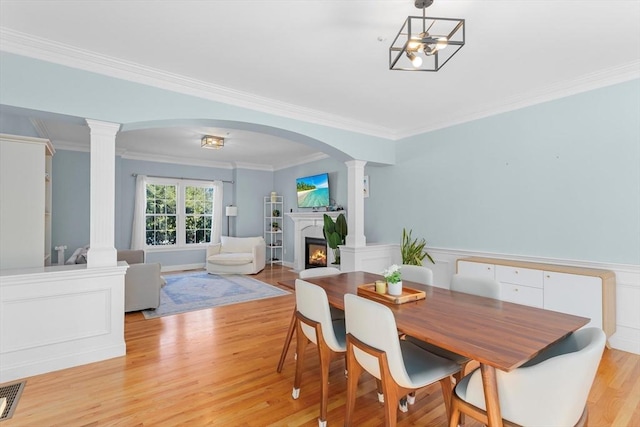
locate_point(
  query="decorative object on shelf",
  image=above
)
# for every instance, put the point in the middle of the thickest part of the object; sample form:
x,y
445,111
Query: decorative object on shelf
x,y
394,279
413,250
275,226
214,142
229,212
335,234
276,213
274,197
425,43
366,186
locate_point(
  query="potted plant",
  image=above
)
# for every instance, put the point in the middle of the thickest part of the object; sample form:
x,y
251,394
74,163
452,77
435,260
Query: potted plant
x,y
276,213
413,250
394,280
335,234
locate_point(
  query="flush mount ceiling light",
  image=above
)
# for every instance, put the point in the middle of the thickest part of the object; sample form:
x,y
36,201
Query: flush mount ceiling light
x,y
214,142
424,43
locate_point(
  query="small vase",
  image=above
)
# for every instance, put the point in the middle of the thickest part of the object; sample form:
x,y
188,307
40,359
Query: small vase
x,y
395,289
274,197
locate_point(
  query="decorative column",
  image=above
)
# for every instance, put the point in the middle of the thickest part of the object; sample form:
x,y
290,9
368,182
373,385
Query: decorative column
x,y
355,204
102,252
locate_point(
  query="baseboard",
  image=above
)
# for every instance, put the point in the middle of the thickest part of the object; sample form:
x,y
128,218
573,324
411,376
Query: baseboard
x,y
73,358
182,267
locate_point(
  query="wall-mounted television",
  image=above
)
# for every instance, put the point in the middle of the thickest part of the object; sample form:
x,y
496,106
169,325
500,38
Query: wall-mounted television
x,y
313,191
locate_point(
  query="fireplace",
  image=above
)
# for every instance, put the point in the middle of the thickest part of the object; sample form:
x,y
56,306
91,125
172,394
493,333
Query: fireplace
x,y
315,252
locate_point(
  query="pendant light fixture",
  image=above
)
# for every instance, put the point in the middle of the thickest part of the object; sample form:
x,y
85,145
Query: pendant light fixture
x,y
425,43
215,142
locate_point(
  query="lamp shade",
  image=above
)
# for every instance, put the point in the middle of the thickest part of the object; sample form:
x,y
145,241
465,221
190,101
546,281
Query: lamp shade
x,y
231,211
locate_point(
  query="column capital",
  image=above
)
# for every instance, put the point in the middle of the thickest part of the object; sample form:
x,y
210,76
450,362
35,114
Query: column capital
x,y
104,128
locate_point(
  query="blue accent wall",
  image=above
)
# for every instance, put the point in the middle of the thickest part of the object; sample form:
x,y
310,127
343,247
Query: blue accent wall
x,y
559,179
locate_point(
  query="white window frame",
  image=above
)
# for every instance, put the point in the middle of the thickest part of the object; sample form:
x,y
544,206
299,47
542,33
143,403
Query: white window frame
x,y
181,216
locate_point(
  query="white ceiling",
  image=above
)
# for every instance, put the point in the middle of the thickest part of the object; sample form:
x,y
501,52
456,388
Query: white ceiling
x,y
327,61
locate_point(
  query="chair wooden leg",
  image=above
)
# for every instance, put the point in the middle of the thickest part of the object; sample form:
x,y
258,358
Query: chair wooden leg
x,y
447,387
287,340
325,361
391,399
302,342
380,391
454,418
355,370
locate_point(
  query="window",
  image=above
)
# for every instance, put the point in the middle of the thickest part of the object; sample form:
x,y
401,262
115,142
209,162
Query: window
x,y
178,213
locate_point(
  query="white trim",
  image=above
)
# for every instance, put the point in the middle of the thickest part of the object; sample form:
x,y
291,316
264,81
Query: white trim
x,y
59,53
587,82
46,50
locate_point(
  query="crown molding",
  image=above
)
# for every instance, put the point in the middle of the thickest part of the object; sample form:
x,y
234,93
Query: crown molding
x,y
27,45
132,155
587,82
35,47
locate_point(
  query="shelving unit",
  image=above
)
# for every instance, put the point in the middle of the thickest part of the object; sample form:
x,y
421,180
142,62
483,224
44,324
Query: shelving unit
x,y
25,208
273,228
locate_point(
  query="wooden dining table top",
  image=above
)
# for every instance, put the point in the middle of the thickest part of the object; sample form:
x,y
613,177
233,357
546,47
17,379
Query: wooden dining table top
x,y
493,332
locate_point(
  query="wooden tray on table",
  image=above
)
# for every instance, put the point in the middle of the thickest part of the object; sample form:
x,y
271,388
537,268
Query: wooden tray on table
x,y
408,294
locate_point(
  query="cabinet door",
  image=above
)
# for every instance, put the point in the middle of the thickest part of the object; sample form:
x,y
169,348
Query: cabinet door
x,y
573,294
476,269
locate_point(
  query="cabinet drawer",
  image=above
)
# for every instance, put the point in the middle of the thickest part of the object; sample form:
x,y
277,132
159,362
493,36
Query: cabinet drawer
x,y
476,269
524,295
520,276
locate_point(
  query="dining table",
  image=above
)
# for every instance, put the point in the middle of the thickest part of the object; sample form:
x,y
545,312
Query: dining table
x,y
499,335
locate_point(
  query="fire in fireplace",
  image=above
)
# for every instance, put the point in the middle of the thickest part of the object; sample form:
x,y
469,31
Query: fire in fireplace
x,y
315,252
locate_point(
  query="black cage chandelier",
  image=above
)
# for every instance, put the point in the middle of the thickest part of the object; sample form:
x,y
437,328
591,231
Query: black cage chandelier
x,y
424,43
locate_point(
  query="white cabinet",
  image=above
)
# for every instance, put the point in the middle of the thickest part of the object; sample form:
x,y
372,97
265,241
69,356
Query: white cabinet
x,y
520,285
273,228
25,201
585,292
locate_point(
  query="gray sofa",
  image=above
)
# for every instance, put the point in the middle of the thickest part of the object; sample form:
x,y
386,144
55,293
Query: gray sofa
x,y
142,282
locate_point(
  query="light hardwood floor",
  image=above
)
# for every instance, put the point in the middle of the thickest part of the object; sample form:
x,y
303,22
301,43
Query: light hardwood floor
x,y
218,367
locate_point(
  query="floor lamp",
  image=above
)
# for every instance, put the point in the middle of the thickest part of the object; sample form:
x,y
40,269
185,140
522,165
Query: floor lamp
x,y
229,212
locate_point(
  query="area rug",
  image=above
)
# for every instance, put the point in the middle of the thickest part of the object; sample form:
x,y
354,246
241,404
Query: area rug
x,y
197,291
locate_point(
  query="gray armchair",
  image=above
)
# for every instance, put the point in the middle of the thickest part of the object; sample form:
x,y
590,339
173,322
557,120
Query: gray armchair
x,y
142,282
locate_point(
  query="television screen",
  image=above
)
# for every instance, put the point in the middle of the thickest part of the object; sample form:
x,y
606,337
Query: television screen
x,y
313,191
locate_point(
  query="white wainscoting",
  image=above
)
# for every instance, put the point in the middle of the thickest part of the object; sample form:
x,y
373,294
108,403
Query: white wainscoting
x,y
58,317
627,336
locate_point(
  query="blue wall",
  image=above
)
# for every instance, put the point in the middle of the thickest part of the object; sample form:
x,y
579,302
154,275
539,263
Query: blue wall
x,y
559,179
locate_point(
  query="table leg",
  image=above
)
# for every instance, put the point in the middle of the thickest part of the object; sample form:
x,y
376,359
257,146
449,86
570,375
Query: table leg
x,y
287,340
491,399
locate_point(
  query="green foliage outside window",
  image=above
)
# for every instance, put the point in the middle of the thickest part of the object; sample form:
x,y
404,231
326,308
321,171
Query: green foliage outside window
x,y
162,214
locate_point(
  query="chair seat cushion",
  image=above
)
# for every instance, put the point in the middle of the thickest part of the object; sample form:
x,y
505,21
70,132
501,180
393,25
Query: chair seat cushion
x,y
237,258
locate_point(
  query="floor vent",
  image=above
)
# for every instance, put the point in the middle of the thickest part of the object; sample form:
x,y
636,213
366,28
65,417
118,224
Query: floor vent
x,y
12,394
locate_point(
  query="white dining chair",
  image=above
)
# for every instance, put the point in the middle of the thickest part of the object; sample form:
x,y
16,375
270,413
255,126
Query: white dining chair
x,y
314,324
373,345
549,390
481,286
336,313
417,273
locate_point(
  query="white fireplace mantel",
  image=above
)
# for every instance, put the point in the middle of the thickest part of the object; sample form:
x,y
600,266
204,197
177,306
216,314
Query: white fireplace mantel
x,y
307,224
